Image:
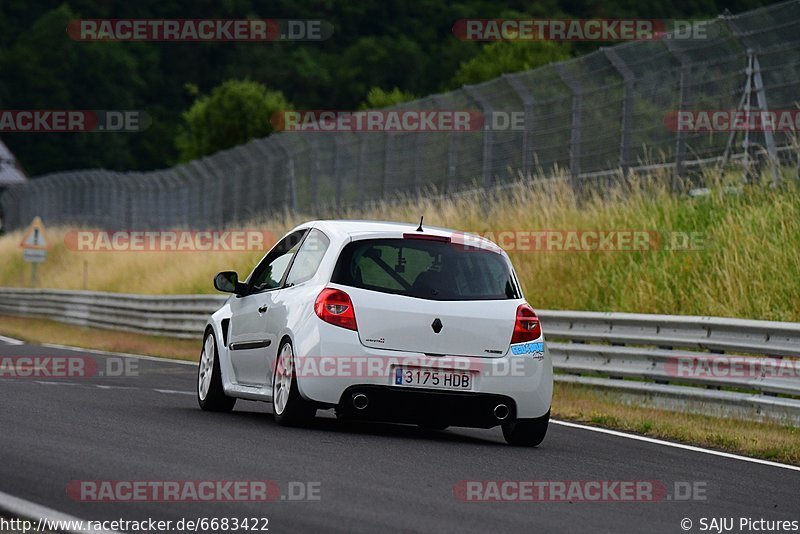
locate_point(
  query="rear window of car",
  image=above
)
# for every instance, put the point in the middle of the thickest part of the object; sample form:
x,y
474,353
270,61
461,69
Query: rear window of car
x,y
434,270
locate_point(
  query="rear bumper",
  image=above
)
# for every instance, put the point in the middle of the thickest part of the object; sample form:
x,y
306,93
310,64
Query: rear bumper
x,y
524,381
415,405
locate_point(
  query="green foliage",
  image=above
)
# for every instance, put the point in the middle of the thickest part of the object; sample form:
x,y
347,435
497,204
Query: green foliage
x,y
234,113
45,70
501,57
376,43
378,98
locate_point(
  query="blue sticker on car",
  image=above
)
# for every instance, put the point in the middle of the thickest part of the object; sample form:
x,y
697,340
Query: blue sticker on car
x,y
535,349
398,375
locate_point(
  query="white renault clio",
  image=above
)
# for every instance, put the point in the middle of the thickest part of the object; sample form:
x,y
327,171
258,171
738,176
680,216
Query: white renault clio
x,y
385,322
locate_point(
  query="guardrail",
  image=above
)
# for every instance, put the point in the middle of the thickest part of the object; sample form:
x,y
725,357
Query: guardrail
x,y
182,316
665,361
711,365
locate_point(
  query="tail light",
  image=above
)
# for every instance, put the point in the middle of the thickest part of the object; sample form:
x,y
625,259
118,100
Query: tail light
x,y
526,327
334,306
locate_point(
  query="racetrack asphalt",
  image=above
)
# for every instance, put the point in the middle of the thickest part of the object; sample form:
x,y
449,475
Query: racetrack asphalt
x,y
370,477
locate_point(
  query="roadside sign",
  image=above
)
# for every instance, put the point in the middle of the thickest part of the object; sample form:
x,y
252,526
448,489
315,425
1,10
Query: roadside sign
x,y
35,238
34,245
33,255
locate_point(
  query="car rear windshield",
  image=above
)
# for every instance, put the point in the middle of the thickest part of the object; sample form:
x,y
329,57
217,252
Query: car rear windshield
x,y
435,270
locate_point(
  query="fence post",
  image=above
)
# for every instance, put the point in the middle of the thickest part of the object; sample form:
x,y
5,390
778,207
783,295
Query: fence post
x,y
226,170
361,172
388,143
291,190
527,134
418,143
683,101
338,164
263,148
451,149
626,129
761,98
488,135
577,122
754,78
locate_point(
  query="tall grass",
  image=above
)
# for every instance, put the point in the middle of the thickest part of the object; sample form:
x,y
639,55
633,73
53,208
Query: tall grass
x,y
748,264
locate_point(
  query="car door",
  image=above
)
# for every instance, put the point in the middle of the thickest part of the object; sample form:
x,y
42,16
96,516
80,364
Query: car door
x,y
253,330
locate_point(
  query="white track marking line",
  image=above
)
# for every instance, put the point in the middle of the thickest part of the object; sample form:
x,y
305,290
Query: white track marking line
x,y
675,445
36,512
57,383
123,354
11,340
174,392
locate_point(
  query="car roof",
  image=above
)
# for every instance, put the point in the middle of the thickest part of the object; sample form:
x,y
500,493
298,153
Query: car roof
x,y
353,227
364,229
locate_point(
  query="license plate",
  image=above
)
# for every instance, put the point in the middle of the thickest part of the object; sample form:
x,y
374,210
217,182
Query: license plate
x,y
433,378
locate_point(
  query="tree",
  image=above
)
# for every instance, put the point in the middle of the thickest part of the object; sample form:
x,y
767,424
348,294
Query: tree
x,y
378,98
71,75
232,114
503,57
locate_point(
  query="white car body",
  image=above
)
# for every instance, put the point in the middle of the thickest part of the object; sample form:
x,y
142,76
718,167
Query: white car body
x,y
392,330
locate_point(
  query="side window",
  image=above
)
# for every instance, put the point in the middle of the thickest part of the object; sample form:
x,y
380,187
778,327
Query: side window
x,y
270,271
308,257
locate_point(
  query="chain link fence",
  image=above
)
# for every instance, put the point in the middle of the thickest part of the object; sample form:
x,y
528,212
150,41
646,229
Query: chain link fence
x,y
595,118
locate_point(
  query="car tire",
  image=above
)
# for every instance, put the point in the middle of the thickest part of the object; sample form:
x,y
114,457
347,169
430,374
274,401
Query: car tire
x,y
210,394
526,432
289,408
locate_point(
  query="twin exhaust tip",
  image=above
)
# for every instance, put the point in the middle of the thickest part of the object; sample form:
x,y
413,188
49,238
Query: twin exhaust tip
x,y
360,401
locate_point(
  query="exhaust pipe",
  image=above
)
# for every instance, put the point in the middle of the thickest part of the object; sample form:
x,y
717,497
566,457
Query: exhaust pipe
x,y
360,401
501,412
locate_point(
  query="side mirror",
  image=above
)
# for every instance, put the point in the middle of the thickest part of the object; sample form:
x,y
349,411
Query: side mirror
x,y
228,282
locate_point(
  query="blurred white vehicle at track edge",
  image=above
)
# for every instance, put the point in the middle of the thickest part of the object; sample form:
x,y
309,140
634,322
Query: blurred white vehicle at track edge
x,y
381,321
